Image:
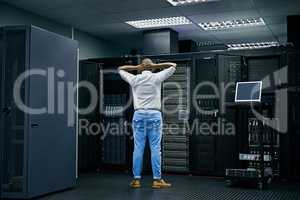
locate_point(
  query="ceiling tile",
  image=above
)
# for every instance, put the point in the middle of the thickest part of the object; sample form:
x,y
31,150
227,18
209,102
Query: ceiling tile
x,y
225,16
274,3
280,9
39,5
125,6
249,35
148,14
217,7
278,29
271,20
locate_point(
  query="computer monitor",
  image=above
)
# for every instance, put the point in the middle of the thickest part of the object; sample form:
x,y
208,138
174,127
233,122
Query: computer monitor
x,y
248,91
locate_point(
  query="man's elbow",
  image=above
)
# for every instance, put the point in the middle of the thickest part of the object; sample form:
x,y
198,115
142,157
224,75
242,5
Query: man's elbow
x,y
173,65
174,69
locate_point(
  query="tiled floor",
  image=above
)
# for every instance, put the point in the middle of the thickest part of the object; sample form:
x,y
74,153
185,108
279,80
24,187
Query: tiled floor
x,y
115,186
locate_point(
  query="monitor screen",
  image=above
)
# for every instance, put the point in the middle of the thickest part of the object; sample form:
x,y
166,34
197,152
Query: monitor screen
x,y
248,91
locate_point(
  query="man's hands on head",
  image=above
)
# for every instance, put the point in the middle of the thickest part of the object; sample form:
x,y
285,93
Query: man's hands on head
x,y
128,68
139,67
145,66
163,65
158,66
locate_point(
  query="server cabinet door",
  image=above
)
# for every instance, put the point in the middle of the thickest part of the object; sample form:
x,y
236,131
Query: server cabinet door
x,y
89,143
230,71
52,133
293,68
1,107
176,109
12,118
203,140
114,98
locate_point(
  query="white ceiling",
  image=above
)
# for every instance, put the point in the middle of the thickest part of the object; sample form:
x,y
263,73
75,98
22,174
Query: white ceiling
x,y
106,19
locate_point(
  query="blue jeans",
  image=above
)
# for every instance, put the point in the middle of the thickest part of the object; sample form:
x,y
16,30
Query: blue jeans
x,y
147,124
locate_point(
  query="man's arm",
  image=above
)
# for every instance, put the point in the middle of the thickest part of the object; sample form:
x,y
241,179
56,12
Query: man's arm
x,y
162,65
128,68
150,66
166,73
124,72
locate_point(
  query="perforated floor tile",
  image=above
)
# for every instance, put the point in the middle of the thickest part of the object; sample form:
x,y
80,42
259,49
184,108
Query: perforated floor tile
x,y
116,187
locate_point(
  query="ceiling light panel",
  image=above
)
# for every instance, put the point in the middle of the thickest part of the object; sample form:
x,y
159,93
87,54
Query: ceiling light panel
x,y
188,2
210,26
160,22
258,45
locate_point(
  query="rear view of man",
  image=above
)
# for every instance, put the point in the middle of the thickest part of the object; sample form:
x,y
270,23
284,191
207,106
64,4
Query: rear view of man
x,y
147,119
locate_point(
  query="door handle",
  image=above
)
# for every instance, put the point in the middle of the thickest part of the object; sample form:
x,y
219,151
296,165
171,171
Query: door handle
x,y
34,125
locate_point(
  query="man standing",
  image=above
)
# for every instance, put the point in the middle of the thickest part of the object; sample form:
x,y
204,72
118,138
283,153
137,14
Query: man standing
x,y
147,119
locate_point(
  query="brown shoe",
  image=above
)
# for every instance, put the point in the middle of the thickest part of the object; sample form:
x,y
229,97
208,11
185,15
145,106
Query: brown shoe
x,y
135,184
159,184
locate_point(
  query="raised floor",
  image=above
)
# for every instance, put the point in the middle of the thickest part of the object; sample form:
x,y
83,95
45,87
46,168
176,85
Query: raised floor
x,y
116,186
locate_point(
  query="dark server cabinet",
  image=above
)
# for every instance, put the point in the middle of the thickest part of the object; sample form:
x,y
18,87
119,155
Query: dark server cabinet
x,y
203,143
38,151
176,103
89,143
175,145
290,142
114,143
215,149
230,70
293,62
294,134
112,146
114,108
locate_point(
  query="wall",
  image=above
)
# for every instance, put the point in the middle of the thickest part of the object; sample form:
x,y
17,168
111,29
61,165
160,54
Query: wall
x,y
90,46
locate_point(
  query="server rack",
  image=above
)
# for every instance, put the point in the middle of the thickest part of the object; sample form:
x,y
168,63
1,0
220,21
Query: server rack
x,y
38,151
290,145
114,144
116,109
260,155
113,150
231,69
291,59
212,152
1,104
203,143
176,92
209,155
176,140
89,142
265,68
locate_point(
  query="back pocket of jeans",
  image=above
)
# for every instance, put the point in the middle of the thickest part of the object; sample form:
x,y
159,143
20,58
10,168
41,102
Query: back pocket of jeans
x,y
137,123
156,123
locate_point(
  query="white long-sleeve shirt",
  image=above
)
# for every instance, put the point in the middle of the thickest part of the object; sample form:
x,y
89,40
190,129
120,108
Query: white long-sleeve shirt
x,y
146,87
